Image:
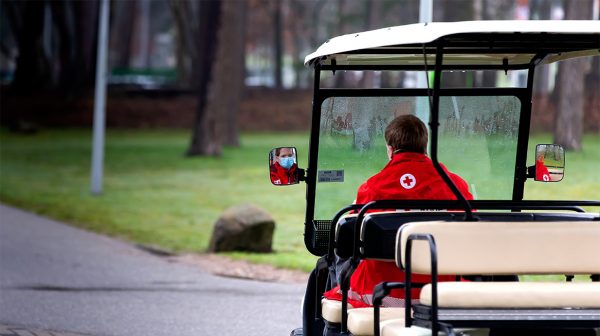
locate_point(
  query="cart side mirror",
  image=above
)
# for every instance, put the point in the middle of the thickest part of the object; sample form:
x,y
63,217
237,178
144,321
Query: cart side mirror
x,y
549,163
283,166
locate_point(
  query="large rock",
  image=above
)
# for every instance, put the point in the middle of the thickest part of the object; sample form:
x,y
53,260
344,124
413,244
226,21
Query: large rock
x,y
243,228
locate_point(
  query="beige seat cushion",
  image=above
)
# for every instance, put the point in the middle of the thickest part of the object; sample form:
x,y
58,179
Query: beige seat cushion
x,y
515,294
391,327
331,310
360,320
471,248
396,328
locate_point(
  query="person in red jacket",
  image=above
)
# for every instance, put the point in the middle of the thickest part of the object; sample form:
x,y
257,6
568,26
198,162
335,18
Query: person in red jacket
x,y
409,174
541,171
284,169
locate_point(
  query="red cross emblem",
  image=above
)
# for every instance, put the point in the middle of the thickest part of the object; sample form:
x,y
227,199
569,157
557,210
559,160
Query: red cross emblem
x,y
408,181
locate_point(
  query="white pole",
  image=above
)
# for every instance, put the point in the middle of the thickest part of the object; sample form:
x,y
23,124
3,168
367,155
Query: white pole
x,y
422,105
100,101
425,11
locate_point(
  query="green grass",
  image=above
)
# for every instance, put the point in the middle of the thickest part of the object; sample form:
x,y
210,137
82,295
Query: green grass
x,y
582,173
154,195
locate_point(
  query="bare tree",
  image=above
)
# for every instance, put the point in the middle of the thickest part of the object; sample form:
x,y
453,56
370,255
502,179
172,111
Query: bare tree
x,y
205,132
122,18
568,125
541,10
372,10
592,80
186,37
454,10
277,44
212,34
298,28
52,57
227,86
490,10
27,21
197,25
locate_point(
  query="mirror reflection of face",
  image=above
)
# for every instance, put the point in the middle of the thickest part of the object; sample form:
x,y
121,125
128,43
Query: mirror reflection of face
x,y
285,152
286,157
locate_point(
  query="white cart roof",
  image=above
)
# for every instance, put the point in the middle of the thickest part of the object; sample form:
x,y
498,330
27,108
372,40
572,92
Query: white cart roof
x,y
474,43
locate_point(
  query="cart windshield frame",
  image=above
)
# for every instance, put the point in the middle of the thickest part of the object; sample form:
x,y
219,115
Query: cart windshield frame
x,y
503,51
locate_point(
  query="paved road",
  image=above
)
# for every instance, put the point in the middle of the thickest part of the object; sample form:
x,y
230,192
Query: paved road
x,y
55,277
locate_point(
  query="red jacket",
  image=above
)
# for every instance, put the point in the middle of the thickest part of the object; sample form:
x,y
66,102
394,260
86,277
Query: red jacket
x,y
406,176
541,172
280,175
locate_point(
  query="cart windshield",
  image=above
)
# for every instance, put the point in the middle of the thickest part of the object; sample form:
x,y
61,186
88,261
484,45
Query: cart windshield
x,y
477,140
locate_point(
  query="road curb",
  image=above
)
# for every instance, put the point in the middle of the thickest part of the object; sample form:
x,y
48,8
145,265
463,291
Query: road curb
x,y
12,330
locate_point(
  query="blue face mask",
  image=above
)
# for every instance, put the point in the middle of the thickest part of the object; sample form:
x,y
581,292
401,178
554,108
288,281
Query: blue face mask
x,y
287,162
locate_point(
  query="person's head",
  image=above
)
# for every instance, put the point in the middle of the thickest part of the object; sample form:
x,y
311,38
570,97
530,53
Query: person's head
x,y
406,133
540,153
285,157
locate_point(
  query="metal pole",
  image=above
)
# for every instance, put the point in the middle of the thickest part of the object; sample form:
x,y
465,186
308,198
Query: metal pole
x,y
100,101
422,105
425,11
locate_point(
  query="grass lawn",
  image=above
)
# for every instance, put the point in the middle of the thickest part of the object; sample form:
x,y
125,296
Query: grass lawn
x,y
154,195
582,173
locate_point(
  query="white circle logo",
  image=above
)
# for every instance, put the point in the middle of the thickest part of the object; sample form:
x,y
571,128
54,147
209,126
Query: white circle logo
x,y
546,178
408,181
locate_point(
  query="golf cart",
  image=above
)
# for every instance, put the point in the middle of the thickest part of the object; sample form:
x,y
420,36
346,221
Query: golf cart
x,y
479,131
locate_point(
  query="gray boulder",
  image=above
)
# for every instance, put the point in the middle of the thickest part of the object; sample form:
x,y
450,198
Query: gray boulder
x,y
243,227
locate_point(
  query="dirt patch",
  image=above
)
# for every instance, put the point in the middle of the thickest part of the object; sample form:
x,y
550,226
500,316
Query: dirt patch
x,y
227,267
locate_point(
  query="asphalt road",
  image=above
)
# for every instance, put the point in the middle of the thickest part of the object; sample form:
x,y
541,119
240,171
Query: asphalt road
x,y
55,277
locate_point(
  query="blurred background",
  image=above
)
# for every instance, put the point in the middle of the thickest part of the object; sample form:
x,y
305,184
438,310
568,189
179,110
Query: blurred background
x,y
198,92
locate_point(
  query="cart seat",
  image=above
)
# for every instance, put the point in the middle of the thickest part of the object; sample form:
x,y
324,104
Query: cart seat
x,y
360,320
331,310
500,248
515,295
397,328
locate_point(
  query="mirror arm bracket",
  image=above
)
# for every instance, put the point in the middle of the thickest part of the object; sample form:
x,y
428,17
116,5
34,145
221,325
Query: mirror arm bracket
x,y
301,174
530,172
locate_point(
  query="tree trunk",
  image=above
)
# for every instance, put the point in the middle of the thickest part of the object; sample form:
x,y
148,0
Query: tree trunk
x,y
88,14
32,73
340,29
490,10
454,10
297,29
121,33
541,10
316,16
69,51
277,45
227,86
372,10
32,69
187,31
592,80
568,125
205,134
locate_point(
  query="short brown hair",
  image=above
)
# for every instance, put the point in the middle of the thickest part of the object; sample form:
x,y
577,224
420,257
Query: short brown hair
x,y
407,133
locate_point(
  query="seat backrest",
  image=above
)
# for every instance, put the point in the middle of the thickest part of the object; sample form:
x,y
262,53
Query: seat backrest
x,y
344,236
486,248
378,231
